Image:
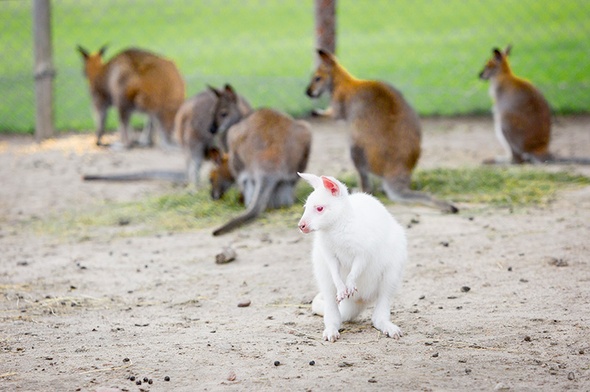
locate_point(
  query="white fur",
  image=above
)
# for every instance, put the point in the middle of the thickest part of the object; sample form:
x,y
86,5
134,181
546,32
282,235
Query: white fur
x,y
358,256
497,112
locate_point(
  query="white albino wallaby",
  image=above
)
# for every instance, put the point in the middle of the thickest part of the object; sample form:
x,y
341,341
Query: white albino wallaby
x,y
359,252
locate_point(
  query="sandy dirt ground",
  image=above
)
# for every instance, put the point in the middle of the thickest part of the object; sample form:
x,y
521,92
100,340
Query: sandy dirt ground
x,y
87,313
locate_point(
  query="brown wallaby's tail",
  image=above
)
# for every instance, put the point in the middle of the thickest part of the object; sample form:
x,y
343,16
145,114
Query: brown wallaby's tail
x,y
262,193
148,175
572,160
399,193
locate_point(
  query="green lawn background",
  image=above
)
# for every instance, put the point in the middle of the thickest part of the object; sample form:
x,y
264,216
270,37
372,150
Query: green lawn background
x,y
431,50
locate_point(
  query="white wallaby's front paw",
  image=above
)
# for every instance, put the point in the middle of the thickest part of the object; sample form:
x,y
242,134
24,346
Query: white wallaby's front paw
x,y
347,292
390,330
331,334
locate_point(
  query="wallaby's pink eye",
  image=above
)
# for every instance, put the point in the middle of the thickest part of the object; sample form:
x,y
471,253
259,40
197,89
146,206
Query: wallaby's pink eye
x,y
319,208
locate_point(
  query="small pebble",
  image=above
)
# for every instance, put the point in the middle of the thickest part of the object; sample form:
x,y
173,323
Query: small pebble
x,y
372,380
244,304
571,376
132,378
435,355
277,363
527,338
125,359
166,378
465,289
150,381
138,382
445,244
311,363
145,379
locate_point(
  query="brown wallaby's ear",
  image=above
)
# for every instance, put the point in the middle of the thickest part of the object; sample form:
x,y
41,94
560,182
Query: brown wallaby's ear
x,y
214,91
229,90
83,52
497,54
507,50
326,57
214,155
102,50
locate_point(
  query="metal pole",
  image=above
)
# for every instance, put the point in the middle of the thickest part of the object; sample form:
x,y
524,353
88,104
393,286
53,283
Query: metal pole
x,y
325,25
44,72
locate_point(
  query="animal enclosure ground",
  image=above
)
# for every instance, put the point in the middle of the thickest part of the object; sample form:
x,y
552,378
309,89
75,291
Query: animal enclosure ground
x,y
493,297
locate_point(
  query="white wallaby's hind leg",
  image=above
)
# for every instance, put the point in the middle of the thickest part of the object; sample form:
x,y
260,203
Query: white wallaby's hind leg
x,y
382,317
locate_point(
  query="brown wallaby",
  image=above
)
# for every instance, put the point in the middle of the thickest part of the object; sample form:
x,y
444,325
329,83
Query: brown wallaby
x,y
194,127
266,149
385,129
134,80
522,116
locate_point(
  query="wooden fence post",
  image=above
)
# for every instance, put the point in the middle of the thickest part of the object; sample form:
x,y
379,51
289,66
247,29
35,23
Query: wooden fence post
x,y
44,72
325,25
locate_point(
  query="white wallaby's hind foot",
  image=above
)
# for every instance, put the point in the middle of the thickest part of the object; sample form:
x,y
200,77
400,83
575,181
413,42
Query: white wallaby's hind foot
x,y
389,329
331,334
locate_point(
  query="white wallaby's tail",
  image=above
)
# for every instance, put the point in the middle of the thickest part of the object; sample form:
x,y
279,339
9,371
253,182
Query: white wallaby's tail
x,y
317,305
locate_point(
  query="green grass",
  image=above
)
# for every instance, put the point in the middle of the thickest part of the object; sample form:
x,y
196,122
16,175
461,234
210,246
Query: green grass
x,y
184,210
431,50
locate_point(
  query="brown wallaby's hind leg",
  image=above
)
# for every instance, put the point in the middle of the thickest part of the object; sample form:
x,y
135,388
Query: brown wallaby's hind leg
x,y
359,158
398,189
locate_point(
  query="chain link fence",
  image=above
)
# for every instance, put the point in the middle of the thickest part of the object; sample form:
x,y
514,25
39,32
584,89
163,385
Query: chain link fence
x,y
432,50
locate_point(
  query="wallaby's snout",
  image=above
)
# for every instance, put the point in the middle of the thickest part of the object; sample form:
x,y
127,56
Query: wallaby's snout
x,y
304,226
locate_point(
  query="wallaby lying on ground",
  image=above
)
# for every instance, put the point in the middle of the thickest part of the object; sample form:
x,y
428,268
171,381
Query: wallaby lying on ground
x,y
134,80
194,127
265,151
522,116
359,252
385,129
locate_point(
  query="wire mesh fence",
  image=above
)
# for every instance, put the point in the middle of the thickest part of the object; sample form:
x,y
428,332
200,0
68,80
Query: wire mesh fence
x,y
431,50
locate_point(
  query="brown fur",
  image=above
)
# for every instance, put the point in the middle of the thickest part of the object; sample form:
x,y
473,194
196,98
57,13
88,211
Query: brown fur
x,y
522,116
265,151
385,129
133,80
194,127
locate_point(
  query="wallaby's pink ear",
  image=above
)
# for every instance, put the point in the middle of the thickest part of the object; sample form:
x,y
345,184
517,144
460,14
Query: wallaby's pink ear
x,y
326,57
507,50
331,186
83,52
